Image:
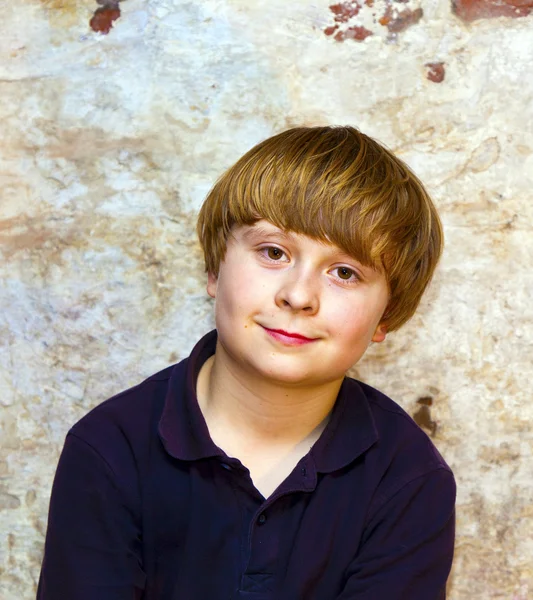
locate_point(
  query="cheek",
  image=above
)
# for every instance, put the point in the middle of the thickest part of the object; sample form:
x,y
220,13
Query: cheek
x,y
237,296
354,322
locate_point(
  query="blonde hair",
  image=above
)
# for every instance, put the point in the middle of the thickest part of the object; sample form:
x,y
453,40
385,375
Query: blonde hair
x,y
340,186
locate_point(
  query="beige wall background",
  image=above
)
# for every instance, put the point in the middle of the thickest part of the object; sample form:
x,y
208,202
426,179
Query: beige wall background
x,y
108,145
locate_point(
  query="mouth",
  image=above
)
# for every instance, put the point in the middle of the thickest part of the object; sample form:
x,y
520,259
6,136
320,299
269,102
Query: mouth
x,y
289,337
293,335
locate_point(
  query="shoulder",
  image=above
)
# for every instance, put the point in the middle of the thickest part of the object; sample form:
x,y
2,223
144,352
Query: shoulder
x,y
125,424
403,455
129,406
396,429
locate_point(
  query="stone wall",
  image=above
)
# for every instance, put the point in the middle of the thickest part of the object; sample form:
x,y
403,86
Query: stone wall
x,y
115,119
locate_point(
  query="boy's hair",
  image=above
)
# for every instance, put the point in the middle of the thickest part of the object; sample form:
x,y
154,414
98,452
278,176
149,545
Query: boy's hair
x,y
337,185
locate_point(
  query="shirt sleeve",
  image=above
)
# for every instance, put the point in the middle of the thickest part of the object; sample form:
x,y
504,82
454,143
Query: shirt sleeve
x,y
93,541
407,548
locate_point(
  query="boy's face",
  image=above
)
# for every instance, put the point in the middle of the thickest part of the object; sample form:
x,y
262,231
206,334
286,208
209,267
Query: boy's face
x,y
273,281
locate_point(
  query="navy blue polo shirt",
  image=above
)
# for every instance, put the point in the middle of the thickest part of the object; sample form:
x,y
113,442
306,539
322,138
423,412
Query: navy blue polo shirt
x,y
145,506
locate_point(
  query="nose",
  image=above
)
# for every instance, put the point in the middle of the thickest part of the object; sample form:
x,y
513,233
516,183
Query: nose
x,y
298,292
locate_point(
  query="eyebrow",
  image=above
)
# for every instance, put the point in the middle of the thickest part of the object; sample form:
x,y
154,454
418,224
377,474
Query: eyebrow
x,y
254,232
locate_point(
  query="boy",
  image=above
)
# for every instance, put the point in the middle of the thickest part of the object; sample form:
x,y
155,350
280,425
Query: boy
x,y
255,469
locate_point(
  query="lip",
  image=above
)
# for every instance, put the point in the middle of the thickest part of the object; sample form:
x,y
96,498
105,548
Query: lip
x,y
292,339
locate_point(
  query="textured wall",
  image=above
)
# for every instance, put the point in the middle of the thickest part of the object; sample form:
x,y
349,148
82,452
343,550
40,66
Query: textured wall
x,y
114,122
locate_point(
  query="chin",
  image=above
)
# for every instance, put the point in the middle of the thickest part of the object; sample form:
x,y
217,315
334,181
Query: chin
x,y
296,377
283,376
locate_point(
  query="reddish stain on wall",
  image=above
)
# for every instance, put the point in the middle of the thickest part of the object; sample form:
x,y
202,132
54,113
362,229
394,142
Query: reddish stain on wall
x,y
393,18
398,21
344,11
436,72
356,32
331,30
103,18
470,10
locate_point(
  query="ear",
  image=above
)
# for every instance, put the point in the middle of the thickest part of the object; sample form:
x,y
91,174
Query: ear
x,y
380,334
212,281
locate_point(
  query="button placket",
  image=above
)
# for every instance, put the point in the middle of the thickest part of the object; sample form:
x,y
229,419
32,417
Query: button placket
x,y
266,531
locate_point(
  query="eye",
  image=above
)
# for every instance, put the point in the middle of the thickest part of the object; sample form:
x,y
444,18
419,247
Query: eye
x,y
346,274
273,253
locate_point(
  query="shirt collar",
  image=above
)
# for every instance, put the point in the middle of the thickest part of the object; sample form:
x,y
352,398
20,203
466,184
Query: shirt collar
x,y
350,432
182,426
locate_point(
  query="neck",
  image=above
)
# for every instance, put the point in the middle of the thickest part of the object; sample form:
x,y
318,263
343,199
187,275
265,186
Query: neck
x,y
260,410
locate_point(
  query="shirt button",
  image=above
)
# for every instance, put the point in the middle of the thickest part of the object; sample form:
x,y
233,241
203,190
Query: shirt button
x,y
225,466
262,519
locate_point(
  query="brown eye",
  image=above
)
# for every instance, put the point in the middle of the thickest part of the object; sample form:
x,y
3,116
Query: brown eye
x,y
345,273
274,253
